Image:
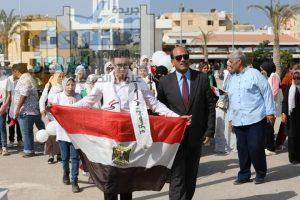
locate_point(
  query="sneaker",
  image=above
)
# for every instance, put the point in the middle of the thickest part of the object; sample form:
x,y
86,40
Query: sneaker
x,y
75,187
10,144
240,182
51,161
66,179
269,153
4,152
258,181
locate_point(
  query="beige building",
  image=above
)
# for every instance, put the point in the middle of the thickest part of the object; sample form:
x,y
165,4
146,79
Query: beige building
x,y
37,43
193,21
292,27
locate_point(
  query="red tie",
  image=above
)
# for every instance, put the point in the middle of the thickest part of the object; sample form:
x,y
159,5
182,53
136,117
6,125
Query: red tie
x,y
185,91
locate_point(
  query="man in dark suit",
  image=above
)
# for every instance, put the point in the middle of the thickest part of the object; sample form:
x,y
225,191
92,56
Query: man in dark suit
x,y
187,92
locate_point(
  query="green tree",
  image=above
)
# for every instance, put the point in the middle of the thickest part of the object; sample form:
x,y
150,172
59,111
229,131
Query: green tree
x,y
9,25
278,15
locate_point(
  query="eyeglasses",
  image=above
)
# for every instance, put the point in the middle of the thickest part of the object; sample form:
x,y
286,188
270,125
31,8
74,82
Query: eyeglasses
x,y
297,78
185,57
124,66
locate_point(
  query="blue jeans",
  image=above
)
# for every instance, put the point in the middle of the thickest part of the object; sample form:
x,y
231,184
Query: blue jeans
x,y
68,152
251,149
3,133
26,123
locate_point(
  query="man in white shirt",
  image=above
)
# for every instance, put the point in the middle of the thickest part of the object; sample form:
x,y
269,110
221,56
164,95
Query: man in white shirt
x,y
115,88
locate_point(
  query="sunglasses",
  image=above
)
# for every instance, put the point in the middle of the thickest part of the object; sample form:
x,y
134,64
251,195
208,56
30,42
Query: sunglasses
x,y
185,57
297,78
124,66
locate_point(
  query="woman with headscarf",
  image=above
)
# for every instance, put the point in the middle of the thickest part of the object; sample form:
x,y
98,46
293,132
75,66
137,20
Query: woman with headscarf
x,y
291,116
108,67
268,69
143,73
67,149
225,141
80,74
52,88
286,81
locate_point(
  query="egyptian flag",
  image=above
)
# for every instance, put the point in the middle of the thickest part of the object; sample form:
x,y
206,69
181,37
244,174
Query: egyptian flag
x,y
109,147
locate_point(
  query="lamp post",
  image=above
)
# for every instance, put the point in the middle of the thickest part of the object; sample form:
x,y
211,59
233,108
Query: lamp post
x,y
232,5
20,13
181,10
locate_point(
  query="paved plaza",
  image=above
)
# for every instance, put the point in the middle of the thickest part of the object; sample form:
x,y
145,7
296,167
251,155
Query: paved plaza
x,y
34,179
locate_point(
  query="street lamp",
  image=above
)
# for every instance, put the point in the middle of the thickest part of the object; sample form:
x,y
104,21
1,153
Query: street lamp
x,y
232,4
20,13
181,10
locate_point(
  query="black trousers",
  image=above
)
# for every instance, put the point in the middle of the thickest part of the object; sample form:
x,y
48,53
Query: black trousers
x,y
12,130
112,196
294,149
184,172
269,137
251,149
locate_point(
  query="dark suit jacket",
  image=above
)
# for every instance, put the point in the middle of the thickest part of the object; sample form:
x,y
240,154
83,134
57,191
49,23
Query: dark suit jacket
x,y
201,104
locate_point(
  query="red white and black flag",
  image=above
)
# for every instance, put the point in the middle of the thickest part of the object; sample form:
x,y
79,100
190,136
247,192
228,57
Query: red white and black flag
x,y
109,147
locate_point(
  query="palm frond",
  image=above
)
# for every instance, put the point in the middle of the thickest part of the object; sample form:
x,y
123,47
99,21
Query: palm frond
x,y
265,9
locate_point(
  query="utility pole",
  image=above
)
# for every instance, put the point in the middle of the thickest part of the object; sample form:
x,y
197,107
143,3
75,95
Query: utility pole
x,y
233,38
20,13
181,10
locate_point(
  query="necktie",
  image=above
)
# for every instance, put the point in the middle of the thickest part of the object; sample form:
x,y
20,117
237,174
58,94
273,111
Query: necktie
x,y
185,91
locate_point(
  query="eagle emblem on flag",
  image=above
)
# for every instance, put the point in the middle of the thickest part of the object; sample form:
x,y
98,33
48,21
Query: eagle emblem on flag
x,y
120,155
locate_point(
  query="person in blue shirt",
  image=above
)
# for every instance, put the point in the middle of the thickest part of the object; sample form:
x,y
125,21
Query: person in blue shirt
x,y
251,106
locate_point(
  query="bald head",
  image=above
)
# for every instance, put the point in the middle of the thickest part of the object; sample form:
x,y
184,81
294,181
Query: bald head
x,y
180,59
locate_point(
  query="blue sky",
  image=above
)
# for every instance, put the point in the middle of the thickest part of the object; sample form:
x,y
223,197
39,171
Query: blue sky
x,y
84,7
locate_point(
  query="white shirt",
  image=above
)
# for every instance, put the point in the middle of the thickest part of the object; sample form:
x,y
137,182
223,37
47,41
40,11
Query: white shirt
x,y
49,95
64,100
3,88
11,84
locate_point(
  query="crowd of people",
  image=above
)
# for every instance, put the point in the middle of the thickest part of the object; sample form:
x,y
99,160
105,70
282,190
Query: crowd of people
x,y
240,115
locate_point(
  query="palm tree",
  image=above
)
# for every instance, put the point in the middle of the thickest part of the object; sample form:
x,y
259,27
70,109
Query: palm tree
x,y
278,15
205,36
9,25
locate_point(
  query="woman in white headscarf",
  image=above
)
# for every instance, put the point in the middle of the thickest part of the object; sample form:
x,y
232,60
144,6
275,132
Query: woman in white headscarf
x,y
67,149
80,74
52,88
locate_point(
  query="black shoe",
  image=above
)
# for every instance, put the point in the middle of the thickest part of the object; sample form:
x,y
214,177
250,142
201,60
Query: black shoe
x,y
50,160
66,179
75,187
58,158
258,181
28,155
295,163
240,182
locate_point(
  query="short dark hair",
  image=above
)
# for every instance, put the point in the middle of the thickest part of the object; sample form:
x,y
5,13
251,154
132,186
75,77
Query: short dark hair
x,y
20,67
121,53
172,51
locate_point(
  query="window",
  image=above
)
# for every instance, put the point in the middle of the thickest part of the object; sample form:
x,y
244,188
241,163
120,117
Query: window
x,y
190,22
210,23
222,23
52,40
